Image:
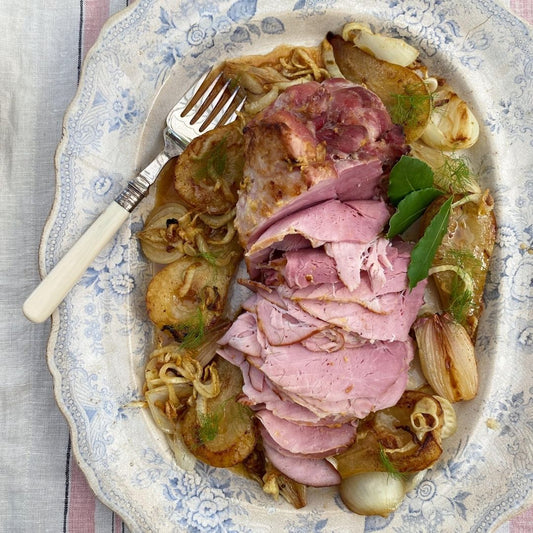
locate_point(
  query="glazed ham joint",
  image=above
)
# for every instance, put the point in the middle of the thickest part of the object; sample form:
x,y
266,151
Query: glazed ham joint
x,y
324,338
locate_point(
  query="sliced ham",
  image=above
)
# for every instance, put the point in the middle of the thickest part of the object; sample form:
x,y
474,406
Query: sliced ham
x,y
324,340
300,439
309,266
349,261
331,221
259,393
370,325
332,339
329,287
357,179
285,325
365,371
349,409
363,295
242,335
352,257
309,471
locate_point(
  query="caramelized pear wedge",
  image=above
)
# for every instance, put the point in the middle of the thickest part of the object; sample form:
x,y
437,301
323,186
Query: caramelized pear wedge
x,y
209,172
220,431
403,92
190,293
462,260
405,437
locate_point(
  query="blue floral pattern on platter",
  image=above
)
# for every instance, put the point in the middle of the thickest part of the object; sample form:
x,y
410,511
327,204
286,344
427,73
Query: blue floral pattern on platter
x,y
100,335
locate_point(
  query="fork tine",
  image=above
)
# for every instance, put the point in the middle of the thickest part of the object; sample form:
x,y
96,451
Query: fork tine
x,y
223,97
210,99
222,108
233,104
215,95
205,83
200,102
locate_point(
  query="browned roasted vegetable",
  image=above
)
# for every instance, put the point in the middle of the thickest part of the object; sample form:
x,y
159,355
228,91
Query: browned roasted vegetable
x,y
258,468
160,242
208,173
403,92
220,431
173,231
405,436
275,483
447,357
191,293
466,247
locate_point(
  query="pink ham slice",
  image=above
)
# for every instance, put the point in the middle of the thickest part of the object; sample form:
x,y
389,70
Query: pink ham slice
x,y
340,377
300,439
332,339
279,319
339,293
310,267
242,335
309,471
349,409
285,326
334,290
331,221
259,393
353,257
370,325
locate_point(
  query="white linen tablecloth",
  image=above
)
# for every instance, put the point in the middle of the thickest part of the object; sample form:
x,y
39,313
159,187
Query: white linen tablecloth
x,y
42,47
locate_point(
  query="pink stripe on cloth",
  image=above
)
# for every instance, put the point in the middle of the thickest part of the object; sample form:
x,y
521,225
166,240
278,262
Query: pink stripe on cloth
x,y
523,523
81,502
95,13
118,524
523,8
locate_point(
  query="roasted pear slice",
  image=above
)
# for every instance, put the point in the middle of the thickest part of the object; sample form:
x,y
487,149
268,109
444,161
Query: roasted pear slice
x,y
220,431
209,172
405,437
462,260
191,293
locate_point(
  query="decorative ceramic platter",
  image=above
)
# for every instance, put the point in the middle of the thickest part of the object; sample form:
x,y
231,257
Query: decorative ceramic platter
x,y
141,64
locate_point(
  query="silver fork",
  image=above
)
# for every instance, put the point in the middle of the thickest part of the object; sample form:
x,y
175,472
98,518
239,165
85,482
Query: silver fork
x,y
210,102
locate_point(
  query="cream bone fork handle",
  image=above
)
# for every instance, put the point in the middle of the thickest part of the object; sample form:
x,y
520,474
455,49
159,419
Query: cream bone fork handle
x,y
210,101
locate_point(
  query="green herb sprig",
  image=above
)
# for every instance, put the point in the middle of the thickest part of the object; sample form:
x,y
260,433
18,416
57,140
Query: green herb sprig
x,y
388,465
210,425
461,300
464,265
193,331
408,107
411,190
455,176
212,164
